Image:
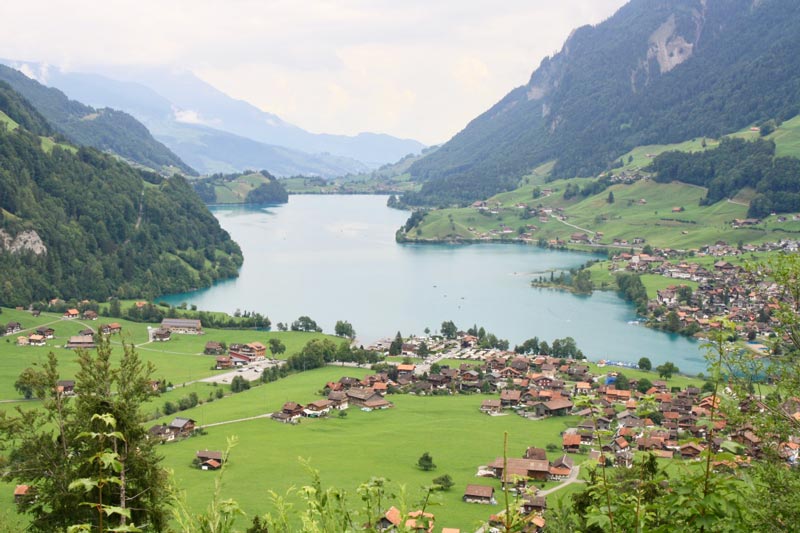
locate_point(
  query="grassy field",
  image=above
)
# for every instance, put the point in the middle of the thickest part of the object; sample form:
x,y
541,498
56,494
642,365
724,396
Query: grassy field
x,y
178,361
386,443
10,123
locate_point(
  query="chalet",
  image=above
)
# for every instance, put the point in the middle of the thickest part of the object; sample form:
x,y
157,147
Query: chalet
x,y
214,348
90,315
223,361
85,342
579,238
571,442
209,460
491,406
161,432
186,326
556,407
161,335
561,468
533,504
479,494
65,387
110,329
23,341
405,370
367,398
36,340
691,450
510,398
87,331
242,354
538,454
46,332
522,468
338,400
36,312
182,426
318,408
291,412
71,313
13,327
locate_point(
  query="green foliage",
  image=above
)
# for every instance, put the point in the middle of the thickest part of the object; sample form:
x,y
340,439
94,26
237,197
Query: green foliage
x,y
425,462
276,347
667,370
305,323
239,384
645,364
244,187
449,329
93,443
344,328
106,232
104,129
633,290
444,482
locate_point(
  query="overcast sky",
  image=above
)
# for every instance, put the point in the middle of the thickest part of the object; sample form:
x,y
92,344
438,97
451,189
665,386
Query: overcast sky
x,y
412,68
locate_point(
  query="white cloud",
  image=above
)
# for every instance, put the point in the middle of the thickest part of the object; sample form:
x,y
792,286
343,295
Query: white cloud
x,y
414,68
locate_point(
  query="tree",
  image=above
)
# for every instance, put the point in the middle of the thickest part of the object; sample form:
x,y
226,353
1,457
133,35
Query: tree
x,y
444,482
645,364
344,328
423,351
276,347
622,382
396,347
305,323
667,370
610,198
425,462
449,329
644,385
49,450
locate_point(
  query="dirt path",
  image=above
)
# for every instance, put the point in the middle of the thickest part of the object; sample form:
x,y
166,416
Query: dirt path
x,y
572,225
265,415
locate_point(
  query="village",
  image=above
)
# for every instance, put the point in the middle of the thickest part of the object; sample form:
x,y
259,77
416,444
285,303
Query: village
x,y
616,417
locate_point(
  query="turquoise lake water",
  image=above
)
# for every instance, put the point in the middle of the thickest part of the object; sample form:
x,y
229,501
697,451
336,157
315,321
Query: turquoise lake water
x,y
335,258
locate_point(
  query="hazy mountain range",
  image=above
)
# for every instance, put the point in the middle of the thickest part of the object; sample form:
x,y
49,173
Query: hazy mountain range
x,y
213,132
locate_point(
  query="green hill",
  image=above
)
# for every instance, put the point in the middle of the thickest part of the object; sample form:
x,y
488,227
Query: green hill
x,y
77,223
657,72
246,188
105,129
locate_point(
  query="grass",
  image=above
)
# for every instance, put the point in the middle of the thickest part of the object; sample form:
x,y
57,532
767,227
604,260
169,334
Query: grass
x,y
385,443
8,121
677,380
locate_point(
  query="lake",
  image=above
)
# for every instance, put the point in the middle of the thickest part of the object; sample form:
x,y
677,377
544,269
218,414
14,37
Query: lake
x,y
335,258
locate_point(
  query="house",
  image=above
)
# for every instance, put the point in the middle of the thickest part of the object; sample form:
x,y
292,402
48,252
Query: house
x,y
71,313
110,329
36,340
46,332
214,348
186,326
536,453
290,413
65,387
479,494
367,398
491,406
161,432
84,342
223,361
533,504
525,468
691,450
338,400
23,341
561,468
405,370
161,335
13,327
209,460
417,521
90,315
571,442
182,426
510,398
318,408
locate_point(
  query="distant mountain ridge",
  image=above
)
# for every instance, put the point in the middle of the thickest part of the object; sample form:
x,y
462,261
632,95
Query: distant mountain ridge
x,y
105,129
190,116
657,71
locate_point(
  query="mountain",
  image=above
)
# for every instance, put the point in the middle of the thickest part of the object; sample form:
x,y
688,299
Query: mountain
x,y
246,188
79,223
105,129
165,99
657,71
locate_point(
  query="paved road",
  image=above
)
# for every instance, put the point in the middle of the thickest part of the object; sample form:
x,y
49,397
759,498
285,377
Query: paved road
x,y
265,415
573,478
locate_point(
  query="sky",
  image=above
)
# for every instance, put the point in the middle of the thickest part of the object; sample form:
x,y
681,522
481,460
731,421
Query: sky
x,y
417,69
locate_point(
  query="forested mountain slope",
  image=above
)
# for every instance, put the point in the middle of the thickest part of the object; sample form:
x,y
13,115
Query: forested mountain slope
x,y
658,71
105,129
85,225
